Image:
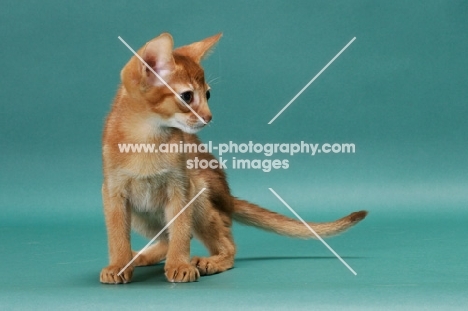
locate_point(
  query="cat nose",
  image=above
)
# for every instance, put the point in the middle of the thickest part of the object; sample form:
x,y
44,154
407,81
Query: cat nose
x,y
207,117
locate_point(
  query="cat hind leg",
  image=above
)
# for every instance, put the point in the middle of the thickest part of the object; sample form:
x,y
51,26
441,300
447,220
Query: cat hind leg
x,y
216,236
154,254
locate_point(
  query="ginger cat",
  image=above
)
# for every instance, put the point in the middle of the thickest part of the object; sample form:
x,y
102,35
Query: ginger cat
x,y
144,191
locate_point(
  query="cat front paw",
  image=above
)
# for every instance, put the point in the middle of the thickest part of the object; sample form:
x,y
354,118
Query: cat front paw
x,y
109,275
181,272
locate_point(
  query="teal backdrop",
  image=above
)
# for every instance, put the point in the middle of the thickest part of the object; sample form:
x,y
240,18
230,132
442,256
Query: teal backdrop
x,y
398,92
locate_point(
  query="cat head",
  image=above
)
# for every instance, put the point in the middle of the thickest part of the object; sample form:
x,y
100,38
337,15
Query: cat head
x,y
180,98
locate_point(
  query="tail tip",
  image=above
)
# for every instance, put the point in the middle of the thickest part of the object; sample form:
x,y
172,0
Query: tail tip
x,y
357,216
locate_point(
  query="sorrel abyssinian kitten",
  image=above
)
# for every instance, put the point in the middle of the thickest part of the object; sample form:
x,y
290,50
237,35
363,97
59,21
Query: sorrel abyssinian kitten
x,y
144,191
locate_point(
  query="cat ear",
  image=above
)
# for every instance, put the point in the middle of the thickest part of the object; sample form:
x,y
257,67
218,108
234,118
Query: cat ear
x,y
199,50
158,55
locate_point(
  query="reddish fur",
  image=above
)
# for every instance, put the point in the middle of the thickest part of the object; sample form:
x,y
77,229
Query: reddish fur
x,y
144,191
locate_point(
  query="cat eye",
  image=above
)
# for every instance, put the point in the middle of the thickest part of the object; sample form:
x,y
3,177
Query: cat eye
x,y
208,94
187,96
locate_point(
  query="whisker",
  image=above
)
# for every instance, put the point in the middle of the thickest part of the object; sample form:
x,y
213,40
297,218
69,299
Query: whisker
x,y
214,80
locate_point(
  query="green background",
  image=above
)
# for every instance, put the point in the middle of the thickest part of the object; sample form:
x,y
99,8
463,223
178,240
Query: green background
x,y
398,93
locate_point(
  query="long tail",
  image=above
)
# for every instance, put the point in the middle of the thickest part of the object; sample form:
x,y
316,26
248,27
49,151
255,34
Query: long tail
x,y
254,215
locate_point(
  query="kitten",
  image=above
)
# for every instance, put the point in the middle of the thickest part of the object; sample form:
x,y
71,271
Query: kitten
x,y
144,191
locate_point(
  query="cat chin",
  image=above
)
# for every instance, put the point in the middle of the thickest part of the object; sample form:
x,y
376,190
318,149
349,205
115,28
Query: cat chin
x,y
188,129
185,127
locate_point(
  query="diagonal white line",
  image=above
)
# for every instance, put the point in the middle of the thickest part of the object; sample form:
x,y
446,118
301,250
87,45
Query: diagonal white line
x,y
160,232
161,79
312,230
313,79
